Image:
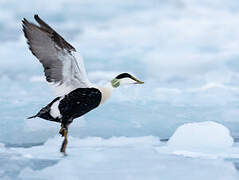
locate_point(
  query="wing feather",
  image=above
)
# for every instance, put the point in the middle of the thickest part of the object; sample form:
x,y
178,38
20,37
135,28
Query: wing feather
x,y
56,55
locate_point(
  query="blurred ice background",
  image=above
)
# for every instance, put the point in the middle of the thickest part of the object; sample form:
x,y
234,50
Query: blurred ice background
x,y
186,51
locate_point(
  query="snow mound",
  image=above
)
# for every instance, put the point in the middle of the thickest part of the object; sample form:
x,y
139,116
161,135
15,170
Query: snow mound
x,y
201,136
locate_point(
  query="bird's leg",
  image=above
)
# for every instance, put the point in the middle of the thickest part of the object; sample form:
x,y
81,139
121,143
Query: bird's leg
x,y
64,125
64,143
62,130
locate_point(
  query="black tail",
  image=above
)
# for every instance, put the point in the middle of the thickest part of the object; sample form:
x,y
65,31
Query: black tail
x,y
32,117
44,113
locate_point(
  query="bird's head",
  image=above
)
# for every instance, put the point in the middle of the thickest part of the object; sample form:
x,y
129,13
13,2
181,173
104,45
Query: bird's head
x,y
125,78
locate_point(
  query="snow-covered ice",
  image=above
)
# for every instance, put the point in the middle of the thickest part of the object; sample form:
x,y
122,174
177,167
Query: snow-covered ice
x,y
208,140
120,158
201,136
124,158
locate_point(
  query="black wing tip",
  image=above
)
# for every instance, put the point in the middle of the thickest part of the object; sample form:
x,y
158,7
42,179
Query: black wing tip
x,y
24,28
36,17
46,28
24,22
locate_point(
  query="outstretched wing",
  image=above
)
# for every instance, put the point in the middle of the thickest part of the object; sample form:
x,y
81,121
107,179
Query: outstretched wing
x,y
56,55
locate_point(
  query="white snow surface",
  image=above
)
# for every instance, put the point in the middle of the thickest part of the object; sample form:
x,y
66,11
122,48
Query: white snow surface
x,y
201,136
126,158
118,158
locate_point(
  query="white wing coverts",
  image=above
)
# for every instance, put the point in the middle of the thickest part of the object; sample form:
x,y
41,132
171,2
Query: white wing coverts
x,y
56,55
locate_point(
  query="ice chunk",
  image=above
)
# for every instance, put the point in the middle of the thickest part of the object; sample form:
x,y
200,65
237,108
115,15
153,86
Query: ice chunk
x,y
203,136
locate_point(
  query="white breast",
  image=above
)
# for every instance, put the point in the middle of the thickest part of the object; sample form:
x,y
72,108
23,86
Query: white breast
x,y
106,93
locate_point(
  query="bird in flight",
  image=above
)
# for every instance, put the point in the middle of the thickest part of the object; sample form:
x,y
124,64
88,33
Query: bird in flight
x,y
65,71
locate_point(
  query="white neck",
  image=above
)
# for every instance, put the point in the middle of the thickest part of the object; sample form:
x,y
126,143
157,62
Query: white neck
x,y
106,92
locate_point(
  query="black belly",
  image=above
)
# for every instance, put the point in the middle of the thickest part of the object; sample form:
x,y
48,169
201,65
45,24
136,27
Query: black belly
x,y
73,105
79,102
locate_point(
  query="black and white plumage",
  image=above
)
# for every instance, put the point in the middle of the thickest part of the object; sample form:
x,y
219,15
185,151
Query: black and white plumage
x,y
65,71
71,106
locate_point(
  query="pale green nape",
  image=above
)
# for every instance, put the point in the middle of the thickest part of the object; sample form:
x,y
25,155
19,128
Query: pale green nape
x,y
115,83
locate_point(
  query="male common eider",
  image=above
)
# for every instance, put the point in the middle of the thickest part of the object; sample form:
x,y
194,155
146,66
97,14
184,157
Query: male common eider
x,y
67,74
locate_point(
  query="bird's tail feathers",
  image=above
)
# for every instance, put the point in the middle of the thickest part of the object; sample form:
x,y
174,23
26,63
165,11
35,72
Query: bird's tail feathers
x,y
33,116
